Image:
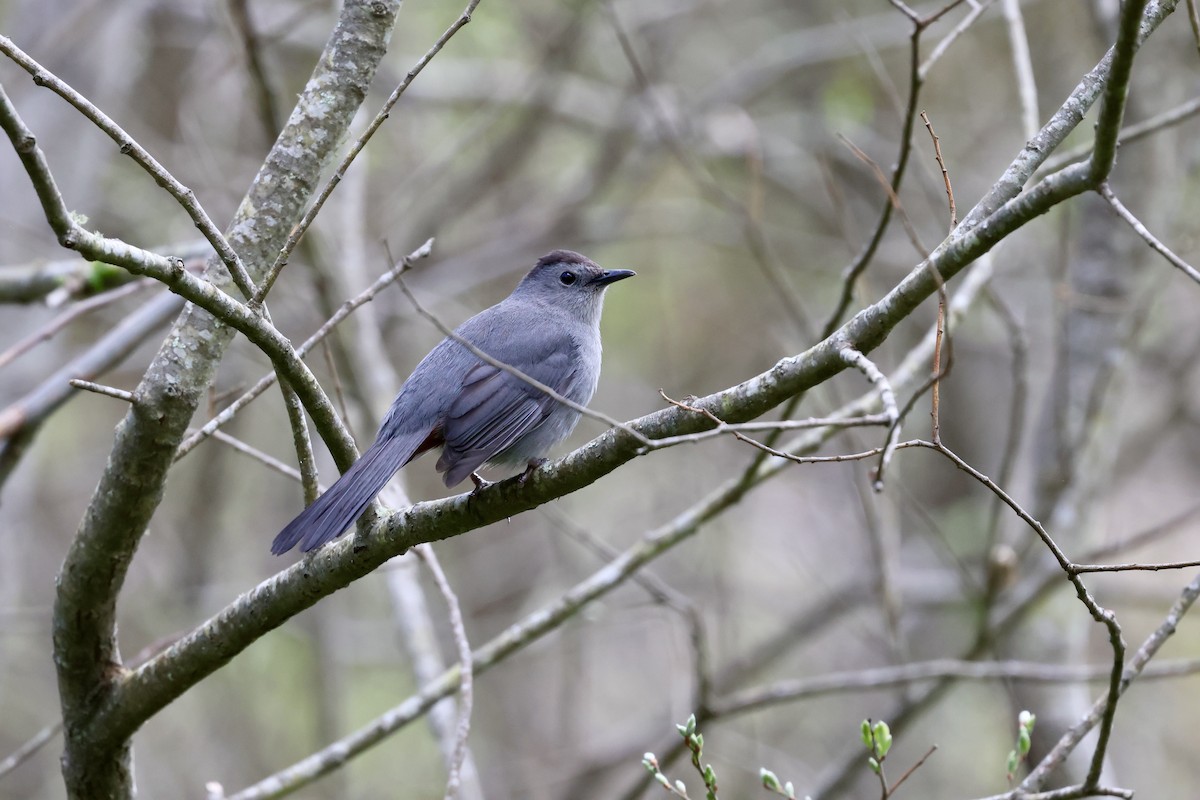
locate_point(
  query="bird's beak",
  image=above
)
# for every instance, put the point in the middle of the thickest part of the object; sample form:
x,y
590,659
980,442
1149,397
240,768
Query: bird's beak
x,y
612,276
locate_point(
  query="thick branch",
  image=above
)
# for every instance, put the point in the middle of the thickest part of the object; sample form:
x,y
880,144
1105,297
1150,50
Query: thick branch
x,y
129,491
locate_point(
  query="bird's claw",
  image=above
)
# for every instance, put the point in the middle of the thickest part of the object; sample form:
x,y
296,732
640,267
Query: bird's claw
x,y
480,482
534,463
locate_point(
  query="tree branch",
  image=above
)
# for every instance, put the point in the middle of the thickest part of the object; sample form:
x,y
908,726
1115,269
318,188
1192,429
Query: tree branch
x,y
97,760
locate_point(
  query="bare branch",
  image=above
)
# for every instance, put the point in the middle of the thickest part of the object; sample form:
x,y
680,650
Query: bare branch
x,y
465,668
70,315
128,146
888,398
26,751
97,759
311,214
1141,230
1101,615
521,634
1194,20
267,460
1116,91
1132,133
790,691
1023,67
1101,710
346,309
964,24
172,273
107,391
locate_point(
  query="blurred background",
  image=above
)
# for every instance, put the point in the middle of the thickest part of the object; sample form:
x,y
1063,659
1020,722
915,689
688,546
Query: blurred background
x,y
702,143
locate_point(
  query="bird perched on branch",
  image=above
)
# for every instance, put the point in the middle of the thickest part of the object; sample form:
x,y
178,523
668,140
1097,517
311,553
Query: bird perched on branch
x,y
477,412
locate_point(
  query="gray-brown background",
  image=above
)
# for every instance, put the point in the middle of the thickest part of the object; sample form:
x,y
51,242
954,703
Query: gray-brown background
x,y
531,132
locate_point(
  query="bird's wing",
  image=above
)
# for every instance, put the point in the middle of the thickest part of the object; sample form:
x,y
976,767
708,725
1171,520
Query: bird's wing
x,y
494,408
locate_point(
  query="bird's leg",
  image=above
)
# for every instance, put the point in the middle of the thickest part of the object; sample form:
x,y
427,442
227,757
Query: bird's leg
x,y
534,463
479,481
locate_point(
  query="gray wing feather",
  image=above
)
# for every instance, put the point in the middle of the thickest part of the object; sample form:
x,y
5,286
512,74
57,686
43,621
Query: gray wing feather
x,y
495,408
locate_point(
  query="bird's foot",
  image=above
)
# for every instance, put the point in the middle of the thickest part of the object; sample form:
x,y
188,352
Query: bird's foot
x,y
480,482
534,463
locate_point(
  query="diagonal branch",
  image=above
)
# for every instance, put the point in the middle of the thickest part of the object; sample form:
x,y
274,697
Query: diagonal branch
x,y
1149,238
96,762
300,586
128,146
625,566
170,271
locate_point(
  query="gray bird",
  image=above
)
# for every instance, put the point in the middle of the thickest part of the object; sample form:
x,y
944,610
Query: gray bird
x,y
548,328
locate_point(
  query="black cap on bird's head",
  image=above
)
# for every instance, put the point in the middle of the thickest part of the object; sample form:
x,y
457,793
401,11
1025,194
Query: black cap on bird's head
x,y
568,269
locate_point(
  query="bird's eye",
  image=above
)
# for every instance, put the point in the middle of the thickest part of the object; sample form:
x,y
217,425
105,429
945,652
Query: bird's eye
x,y
567,278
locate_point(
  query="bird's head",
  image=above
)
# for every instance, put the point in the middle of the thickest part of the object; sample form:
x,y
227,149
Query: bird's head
x,y
565,279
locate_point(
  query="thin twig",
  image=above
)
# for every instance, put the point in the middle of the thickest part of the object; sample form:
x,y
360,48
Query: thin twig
x,y
311,214
858,266
956,669
660,591
70,315
892,196
301,442
1194,19
1101,709
941,12
937,154
1081,568
107,391
465,668
906,11
338,393
128,146
723,428
172,272
1141,230
1023,67
265,459
26,751
752,228
887,397
908,772
1076,792
935,398
346,309
941,47
267,107
735,430
1132,133
1019,345
1101,615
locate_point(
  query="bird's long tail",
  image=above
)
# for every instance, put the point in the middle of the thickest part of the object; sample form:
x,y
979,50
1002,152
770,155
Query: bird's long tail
x,y
334,512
